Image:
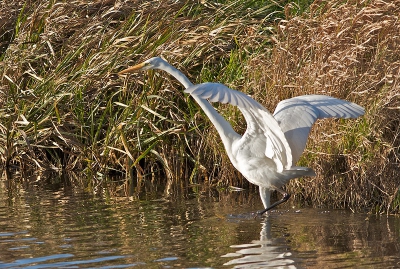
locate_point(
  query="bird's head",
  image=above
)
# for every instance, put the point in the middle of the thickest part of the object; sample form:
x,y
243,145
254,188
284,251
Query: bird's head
x,y
153,63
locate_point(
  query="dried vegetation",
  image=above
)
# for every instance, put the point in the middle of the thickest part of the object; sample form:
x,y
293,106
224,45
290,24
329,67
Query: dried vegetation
x,y
64,109
349,51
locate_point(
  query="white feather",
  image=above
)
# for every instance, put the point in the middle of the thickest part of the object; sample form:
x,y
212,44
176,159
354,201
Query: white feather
x,y
297,115
270,147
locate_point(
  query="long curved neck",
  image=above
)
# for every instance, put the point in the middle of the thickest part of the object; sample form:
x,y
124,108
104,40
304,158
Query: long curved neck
x,y
176,74
223,127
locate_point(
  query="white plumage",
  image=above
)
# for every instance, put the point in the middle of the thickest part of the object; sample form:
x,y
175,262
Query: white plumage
x,y
267,152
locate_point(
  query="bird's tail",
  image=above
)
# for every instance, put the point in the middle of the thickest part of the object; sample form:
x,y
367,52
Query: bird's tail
x,y
299,171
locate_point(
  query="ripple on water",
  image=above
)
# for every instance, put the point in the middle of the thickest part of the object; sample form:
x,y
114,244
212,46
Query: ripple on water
x,y
49,229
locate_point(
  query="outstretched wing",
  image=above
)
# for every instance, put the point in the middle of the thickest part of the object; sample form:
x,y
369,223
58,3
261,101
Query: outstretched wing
x,y
217,92
262,128
297,115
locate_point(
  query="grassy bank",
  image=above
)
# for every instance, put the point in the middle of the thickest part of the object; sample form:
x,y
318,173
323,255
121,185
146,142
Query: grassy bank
x,y
64,109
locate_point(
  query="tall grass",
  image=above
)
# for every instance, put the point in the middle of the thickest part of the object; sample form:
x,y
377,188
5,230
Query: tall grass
x,y
64,109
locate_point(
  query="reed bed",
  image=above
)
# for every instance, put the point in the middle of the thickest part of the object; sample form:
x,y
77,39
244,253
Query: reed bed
x,y
63,108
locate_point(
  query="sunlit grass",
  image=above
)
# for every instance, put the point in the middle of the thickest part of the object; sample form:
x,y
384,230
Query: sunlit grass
x,y
63,107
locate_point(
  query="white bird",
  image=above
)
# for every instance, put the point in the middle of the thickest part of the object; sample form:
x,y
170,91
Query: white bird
x,y
267,152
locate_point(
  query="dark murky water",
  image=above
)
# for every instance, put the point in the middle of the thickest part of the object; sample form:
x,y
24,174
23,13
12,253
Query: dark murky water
x,y
69,229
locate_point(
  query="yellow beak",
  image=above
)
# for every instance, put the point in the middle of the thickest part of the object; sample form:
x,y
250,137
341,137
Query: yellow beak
x,y
132,69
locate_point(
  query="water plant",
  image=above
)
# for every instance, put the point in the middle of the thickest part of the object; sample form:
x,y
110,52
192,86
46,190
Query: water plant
x,y
62,108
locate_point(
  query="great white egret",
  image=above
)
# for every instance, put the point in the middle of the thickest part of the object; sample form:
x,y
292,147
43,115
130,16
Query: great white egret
x,y
267,152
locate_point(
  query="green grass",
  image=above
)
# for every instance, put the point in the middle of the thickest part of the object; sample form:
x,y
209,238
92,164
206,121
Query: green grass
x,y
63,108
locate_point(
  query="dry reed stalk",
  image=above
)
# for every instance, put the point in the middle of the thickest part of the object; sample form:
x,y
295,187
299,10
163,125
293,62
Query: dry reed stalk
x,y
350,51
57,74
62,107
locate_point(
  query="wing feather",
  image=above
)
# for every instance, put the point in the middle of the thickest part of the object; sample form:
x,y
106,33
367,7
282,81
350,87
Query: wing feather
x,y
226,98
261,124
215,96
217,92
297,115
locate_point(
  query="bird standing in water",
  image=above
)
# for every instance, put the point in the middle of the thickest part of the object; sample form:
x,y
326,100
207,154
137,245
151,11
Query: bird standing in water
x,y
267,152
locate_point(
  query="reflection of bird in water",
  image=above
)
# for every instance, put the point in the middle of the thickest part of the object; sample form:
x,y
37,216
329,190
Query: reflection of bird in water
x,y
268,252
272,144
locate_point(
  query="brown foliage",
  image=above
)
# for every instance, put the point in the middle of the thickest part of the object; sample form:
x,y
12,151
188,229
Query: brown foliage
x,y
349,51
58,93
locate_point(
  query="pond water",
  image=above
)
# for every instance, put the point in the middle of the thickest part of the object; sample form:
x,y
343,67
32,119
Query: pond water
x,y
68,228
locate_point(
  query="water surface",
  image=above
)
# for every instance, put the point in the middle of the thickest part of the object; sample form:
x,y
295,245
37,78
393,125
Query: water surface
x,y
68,228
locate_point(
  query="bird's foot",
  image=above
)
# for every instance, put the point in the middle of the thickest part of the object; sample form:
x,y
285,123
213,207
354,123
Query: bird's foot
x,y
258,213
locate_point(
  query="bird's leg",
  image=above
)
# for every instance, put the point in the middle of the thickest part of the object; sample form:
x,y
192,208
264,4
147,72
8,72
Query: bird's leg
x,y
285,197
